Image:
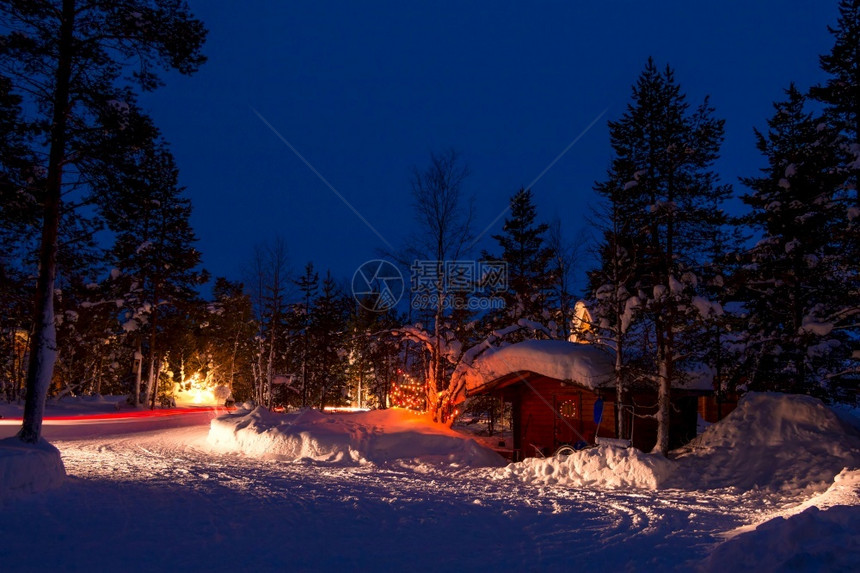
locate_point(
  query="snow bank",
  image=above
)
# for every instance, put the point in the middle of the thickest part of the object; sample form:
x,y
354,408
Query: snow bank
x,y
814,540
820,534
585,364
378,436
605,466
790,444
783,442
26,468
845,490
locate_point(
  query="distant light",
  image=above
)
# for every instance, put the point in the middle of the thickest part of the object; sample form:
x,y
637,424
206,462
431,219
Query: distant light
x,y
343,409
198,391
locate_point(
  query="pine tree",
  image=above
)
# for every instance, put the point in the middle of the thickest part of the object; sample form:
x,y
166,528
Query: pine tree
x,y
154,252
308,285
793,276
328,349
50,44
373,356
668,201
80,333
840,95
613,286
528,263
18,224
841,92
229,336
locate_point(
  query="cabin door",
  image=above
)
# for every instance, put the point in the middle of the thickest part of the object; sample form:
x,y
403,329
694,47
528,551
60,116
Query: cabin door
x,y
568,418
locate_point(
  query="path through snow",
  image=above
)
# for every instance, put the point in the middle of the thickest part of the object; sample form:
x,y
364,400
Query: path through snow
x,y
162,500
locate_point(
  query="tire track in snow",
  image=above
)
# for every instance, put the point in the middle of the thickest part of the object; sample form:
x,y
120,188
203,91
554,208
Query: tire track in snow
x,y
519,526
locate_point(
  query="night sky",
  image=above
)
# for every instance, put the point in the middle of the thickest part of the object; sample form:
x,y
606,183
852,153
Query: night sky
x,y
365,91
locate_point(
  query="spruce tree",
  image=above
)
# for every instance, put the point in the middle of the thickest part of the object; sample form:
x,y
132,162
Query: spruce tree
x,y
613,286
793,277
308,285
18,224
668,201
372,355
155,255
840,95
229,336
528,263
328,323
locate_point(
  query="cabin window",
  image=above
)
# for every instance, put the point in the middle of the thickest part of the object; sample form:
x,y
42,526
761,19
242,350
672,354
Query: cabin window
x,y
568,409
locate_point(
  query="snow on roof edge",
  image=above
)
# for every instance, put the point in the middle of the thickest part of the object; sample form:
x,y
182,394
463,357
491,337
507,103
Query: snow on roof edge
x,y
584,364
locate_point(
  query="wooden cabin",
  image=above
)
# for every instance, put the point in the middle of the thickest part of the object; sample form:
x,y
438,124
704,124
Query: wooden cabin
x,y
562,393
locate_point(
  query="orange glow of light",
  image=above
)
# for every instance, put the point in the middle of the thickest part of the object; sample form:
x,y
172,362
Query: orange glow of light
x,y
344,409
198,392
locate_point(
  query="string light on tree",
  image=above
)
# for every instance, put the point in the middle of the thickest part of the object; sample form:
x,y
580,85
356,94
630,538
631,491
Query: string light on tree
x,y
408,394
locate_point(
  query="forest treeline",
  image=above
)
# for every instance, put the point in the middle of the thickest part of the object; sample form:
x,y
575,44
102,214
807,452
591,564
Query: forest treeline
x,y
100,278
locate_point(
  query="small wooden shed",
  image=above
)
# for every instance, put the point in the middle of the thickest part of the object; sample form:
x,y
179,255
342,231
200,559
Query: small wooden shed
x,y
557,391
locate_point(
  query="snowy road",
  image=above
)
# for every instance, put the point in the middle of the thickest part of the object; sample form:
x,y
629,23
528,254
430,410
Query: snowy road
x,y
160,500
90,425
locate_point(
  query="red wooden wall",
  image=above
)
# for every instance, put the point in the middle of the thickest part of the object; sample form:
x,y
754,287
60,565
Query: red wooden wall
x,y
548,413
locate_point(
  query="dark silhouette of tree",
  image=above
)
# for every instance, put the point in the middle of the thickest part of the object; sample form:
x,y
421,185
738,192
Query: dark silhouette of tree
x,y
71,60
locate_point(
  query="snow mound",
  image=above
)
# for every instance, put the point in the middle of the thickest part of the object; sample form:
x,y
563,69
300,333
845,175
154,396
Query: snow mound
x,y
604,466
818,535
845,490
782,442
378,436
28,468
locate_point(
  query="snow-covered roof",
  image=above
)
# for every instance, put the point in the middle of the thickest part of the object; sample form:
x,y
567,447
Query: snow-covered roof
x,y
585,364
588,365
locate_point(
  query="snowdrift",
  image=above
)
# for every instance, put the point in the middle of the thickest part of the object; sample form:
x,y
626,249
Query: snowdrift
x,y
604,467
790,444
378,436
26,468
820,534
781,442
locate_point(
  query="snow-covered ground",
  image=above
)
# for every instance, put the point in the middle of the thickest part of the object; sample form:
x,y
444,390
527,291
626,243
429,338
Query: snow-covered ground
x,y
169,499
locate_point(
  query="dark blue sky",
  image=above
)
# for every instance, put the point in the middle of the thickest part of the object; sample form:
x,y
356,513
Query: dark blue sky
x,y
365,91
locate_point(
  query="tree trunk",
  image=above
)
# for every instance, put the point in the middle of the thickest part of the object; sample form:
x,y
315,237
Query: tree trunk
x,y
620,420
138,375
435,383
43,345
233,362
663,404
98,386
155,378
151,385
664,388
270,369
